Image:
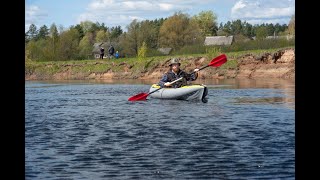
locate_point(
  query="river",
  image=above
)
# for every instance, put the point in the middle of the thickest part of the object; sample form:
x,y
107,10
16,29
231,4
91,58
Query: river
x,y
89,130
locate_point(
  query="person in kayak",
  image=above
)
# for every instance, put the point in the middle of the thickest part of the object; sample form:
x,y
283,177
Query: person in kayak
x,y
174,73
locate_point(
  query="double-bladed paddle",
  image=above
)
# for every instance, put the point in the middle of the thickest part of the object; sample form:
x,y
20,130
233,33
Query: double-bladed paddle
x,y
216,62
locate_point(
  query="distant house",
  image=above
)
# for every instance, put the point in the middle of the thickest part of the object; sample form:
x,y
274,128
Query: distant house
x,y
288,37
105,45
165,51
218,40
96,49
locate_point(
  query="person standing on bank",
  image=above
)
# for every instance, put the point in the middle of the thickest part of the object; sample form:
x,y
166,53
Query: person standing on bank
x,y
111,51
101,52
117,54
175,73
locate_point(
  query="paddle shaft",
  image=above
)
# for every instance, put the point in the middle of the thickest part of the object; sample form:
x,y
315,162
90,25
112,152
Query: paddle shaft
x,y
203,67
213,62
163,87
200,69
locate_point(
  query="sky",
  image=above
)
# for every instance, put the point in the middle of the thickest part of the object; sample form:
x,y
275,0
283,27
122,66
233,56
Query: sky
x,y
65,13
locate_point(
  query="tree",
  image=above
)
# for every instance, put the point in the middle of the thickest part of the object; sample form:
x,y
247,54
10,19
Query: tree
x,y
43,32
270,29
53,32
236,27
261,33
103,27
132,37
178,31
115,32
227,28
101,36
80,31
32,32
291,25
207,22
149,34
54,37
85,47
68,45
247,29
87,26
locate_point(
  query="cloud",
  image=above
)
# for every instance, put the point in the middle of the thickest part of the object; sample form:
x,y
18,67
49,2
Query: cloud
x,y
122,12
100,4
165,6
263,11
34,15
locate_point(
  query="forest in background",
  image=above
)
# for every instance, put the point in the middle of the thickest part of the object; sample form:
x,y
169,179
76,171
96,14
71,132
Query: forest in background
x,y
183,33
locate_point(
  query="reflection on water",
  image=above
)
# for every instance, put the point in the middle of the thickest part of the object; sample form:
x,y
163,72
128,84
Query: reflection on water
x,y
274,83
289,102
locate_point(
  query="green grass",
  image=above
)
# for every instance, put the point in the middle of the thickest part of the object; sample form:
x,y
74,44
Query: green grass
x,y
87,67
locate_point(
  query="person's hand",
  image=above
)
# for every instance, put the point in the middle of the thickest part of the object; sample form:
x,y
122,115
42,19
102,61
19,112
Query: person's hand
x,y
167,84
196,70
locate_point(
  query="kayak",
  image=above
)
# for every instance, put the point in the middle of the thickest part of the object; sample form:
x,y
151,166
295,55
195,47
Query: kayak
x,y
188,93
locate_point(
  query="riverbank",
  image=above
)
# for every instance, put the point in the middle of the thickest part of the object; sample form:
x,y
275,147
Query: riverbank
x,y
268,64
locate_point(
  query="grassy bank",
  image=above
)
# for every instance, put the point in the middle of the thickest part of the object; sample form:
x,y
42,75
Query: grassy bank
x,y
135,66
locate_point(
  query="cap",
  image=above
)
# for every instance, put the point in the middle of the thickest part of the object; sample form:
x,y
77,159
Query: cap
x,y
174,61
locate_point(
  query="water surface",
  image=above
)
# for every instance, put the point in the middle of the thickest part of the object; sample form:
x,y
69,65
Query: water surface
x,y
89,130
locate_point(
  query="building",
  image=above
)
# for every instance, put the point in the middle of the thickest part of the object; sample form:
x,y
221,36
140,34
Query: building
x,y
288,37
96,49
218,40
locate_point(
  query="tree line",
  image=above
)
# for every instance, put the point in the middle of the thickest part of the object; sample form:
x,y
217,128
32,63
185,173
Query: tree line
x,y
177,31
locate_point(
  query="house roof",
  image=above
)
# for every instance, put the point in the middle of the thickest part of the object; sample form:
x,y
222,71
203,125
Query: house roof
x,y
97,45
218,40
105,45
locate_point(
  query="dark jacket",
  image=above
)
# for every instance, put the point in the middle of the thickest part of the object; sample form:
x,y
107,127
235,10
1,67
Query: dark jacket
x,y
101,51
171,76
111,50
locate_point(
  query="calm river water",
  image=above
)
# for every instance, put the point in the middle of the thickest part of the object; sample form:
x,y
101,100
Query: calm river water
x,y
89,130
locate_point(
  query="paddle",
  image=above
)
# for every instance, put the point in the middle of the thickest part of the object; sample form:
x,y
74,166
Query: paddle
x,y
216,62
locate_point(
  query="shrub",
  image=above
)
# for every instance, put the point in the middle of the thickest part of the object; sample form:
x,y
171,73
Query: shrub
x,y
142,51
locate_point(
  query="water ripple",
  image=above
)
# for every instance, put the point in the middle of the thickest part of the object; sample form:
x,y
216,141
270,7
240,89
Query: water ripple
x,y
91,131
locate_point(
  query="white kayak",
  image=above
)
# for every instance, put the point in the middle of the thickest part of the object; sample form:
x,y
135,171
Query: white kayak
x,y
189,92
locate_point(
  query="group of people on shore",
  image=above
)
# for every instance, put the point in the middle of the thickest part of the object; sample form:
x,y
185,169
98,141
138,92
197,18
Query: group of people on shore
x,y
111,53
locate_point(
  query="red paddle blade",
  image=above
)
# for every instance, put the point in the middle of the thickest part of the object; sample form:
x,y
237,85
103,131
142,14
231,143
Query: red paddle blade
x,y
218,61
139,97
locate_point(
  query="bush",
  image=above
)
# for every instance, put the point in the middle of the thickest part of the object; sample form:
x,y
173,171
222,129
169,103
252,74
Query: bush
x,y
142,51
190,49
212,52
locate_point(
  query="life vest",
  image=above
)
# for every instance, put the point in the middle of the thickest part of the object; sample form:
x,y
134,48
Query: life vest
x,y
172,76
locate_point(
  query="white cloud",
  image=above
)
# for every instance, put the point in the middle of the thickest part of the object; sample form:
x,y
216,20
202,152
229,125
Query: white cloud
x,y
33,15
114,13
100,4
165,6
263,11
138,5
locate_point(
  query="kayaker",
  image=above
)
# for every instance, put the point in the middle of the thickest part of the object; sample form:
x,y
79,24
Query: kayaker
x,y
174,73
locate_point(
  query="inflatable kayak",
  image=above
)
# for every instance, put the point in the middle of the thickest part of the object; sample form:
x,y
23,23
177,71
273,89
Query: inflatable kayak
x,y
189,92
